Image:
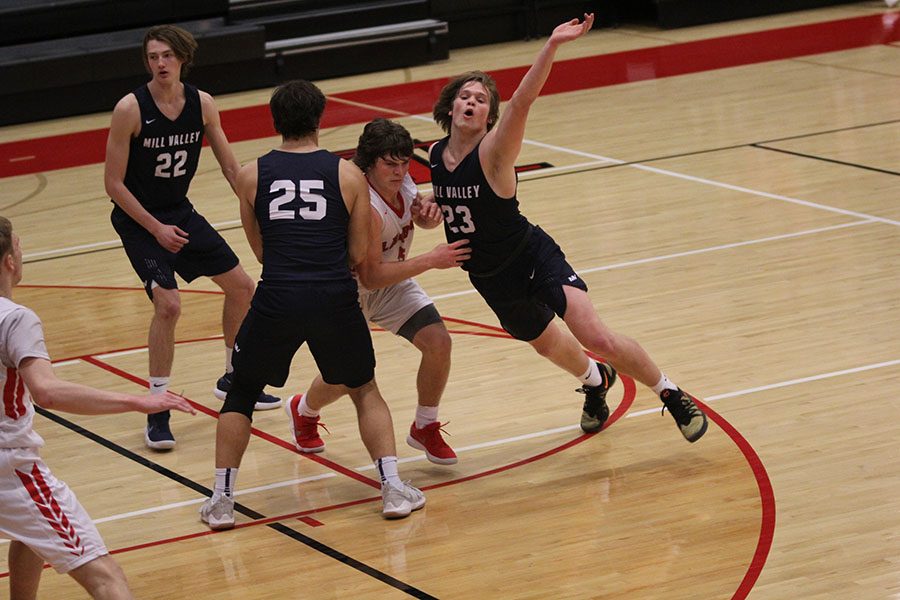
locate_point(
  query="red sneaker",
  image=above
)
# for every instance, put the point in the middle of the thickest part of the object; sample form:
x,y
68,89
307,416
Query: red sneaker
x,y
304,430
429,439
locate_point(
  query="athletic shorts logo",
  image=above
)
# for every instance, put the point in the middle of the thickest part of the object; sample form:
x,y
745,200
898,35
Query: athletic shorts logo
x,y
573,277
148,121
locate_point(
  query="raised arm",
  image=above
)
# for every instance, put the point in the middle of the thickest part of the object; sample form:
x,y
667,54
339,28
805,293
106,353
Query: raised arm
x,y
51,392
245,188
501,146
355,191
125,124
212,128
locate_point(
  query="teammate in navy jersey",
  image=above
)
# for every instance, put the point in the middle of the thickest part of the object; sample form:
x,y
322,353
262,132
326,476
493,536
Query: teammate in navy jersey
x,y
306,215
40,514
389,295
152,153
516,267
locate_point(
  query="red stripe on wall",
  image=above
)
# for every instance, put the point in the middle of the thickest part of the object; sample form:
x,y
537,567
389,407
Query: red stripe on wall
x,y
254,122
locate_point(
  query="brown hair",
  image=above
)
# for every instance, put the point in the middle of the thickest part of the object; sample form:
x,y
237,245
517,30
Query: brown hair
x,y
382,137
297,108
444,104
6,242
179,40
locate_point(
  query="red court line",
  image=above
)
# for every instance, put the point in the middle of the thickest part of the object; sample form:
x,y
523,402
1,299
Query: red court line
x,y
767,497
767,502
253,122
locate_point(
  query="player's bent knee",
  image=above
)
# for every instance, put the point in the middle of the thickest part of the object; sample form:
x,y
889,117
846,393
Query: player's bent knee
x,y
242,397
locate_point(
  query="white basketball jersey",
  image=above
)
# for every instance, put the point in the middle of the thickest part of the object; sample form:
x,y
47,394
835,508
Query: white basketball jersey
x,y
396,229
21,336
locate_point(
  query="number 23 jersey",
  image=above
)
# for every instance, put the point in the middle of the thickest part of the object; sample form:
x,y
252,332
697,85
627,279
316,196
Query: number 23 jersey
x,y
493,225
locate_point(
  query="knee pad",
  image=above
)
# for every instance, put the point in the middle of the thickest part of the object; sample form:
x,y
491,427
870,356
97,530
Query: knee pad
x,y
242,397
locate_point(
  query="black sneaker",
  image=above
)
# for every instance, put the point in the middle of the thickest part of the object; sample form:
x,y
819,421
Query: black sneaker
x,y
264,402
688,416
157,435
595,412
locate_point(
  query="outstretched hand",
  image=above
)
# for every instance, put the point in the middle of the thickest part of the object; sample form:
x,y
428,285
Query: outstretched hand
x,y
572,29
159,402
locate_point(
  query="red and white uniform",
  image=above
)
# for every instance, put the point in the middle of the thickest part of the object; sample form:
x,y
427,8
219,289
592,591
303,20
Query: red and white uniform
x,y
392,306
37,509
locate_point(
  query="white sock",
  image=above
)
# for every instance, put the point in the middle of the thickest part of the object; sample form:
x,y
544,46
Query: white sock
x,y
226,480
304,409
228,353
663,384
387,468
159,385
426,415
592,377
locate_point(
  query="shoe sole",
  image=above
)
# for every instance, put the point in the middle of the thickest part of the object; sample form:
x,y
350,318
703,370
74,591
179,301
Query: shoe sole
x,y
160,445
219,525
592,428
700,433
267,405
258,406
411,441
288,409
404,511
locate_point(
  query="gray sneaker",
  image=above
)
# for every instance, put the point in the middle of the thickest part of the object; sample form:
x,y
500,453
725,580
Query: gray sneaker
x,y
595,411
218,512
399,502
688,416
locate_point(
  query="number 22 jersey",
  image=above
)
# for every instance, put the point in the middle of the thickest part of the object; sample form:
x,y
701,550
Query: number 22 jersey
x,y
163,157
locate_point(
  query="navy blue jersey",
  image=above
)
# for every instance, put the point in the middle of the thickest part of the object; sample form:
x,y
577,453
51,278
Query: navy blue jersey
x,y
163,157
495,228
302,217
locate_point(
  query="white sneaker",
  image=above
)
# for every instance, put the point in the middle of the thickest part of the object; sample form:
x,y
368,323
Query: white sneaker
x,y
218,512
399,502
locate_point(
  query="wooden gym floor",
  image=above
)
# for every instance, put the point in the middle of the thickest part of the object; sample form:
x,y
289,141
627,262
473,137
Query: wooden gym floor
x,y
730,195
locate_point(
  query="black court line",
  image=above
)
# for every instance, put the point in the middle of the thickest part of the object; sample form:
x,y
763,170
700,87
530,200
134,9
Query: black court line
x,y
829,131
828,160
201,489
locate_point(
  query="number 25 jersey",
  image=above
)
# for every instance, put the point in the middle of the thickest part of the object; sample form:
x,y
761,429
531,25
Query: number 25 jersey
x,y
302,217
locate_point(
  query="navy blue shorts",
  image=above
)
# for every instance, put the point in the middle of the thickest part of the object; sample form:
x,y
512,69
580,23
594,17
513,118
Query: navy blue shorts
x,y
325,315
529,291
206,253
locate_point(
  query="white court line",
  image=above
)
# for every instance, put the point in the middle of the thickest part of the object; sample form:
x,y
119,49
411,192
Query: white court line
x,y
595,157
639,413
261,488
781,384
661,257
